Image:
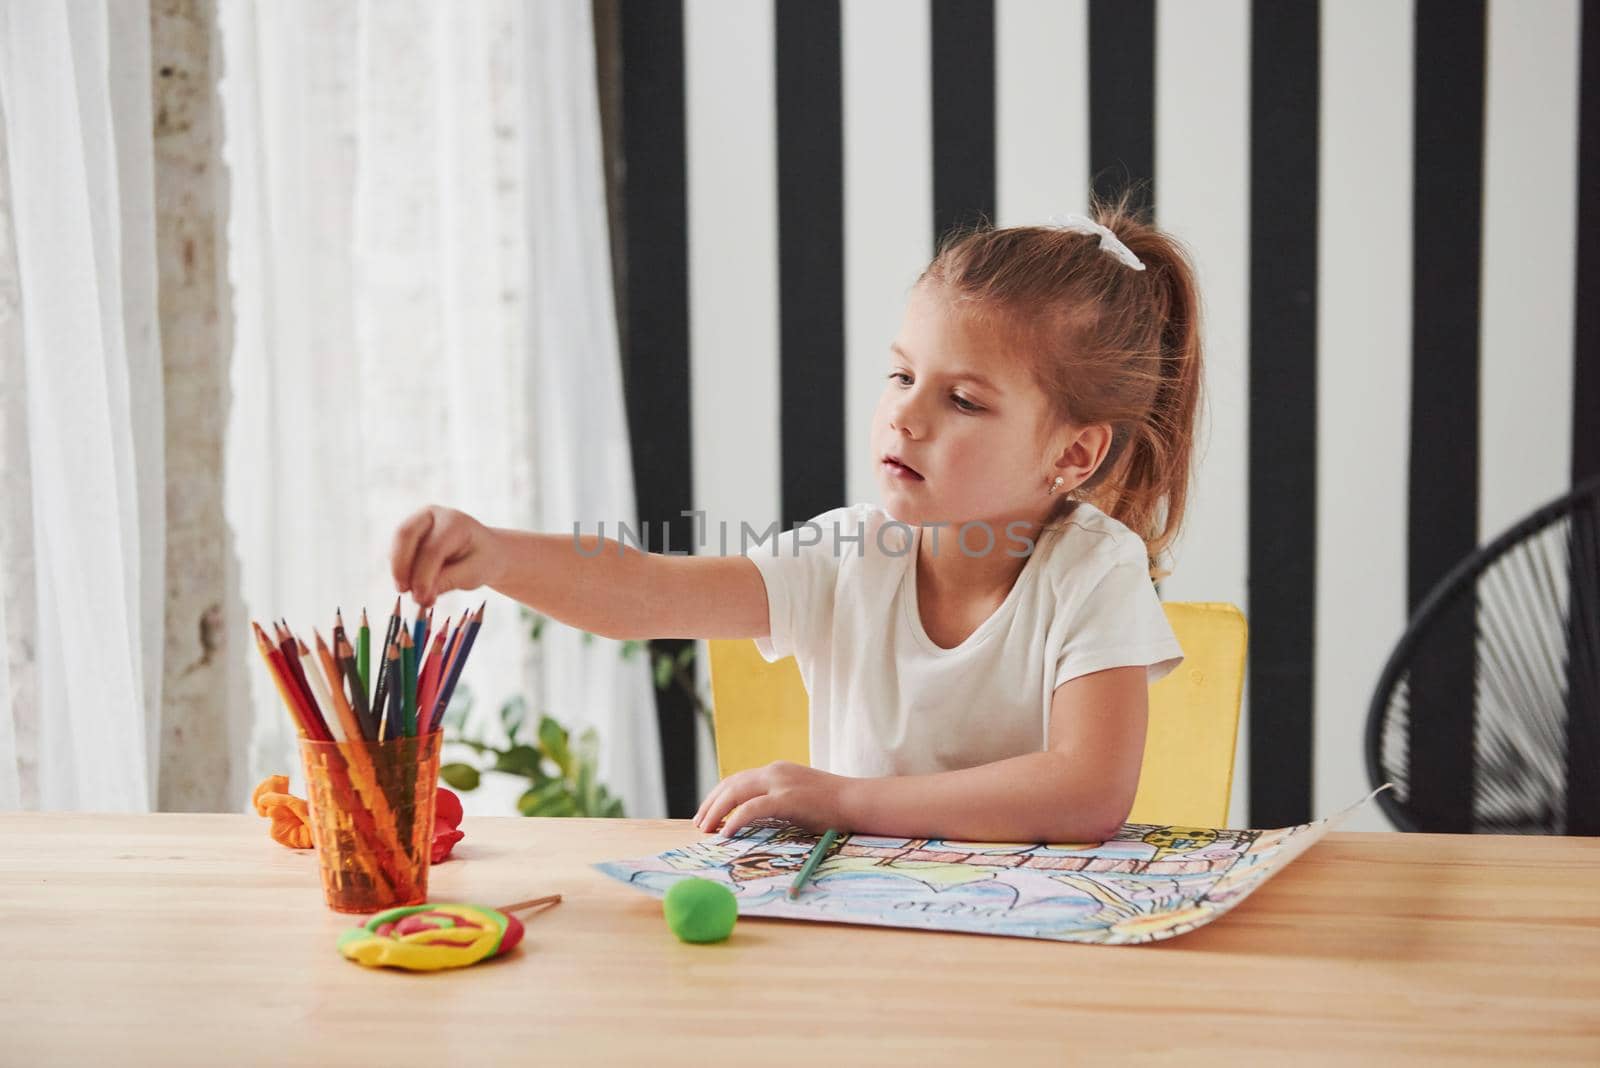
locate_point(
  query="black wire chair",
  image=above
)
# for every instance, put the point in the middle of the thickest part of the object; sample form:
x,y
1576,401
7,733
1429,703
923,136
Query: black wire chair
x,y
1487,716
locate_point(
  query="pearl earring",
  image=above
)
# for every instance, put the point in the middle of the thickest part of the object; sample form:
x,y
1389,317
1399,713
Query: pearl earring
x,y
1056,484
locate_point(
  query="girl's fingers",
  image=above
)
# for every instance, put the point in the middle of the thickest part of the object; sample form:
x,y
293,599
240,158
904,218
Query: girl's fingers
x,y
739,781
755,808
701,818
402,554
700,812
453,577
726,803
443,542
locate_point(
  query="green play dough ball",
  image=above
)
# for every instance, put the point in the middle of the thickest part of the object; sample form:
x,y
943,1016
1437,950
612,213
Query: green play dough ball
x,y
699,910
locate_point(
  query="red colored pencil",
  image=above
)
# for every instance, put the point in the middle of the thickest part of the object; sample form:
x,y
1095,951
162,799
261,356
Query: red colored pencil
x,y
290,648
293,698
428,687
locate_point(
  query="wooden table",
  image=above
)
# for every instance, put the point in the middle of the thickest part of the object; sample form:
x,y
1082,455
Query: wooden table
x,y
195,939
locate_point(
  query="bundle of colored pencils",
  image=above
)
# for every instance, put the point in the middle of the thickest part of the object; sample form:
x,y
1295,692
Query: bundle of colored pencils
x,y
330,691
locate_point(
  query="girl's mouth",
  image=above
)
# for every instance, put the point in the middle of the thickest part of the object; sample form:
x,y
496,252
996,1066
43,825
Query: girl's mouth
x,y
895,469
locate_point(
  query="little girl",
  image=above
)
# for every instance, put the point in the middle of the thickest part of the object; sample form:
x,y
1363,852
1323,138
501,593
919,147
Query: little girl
x,y
977,648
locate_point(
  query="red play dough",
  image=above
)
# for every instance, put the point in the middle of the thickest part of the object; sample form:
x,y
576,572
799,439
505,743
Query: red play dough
x,y
447,808
446,818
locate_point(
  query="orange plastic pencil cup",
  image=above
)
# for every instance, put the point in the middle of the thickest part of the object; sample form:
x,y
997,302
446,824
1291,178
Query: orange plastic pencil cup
x,y
373,844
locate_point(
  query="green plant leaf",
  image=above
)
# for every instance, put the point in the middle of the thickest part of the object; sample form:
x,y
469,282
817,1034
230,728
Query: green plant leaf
x,y
561,806
664,670
461,776
536,799
584,790
686,654
553,739
551,799
587,748
522,760
512,715
562,771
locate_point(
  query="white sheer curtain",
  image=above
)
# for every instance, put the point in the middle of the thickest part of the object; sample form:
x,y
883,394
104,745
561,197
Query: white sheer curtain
x,y
82,512
419,258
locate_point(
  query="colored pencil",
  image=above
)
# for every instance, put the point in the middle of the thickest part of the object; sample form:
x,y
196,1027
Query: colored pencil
x,y
358,694
428,684
451,646
419,632
338,636
380,693
456,664
335,683
447,658
396,620
319,689
388,721
397,689
286,688
319,692
313,725
408,682
293,660
290,653
364,653
818,851
354,697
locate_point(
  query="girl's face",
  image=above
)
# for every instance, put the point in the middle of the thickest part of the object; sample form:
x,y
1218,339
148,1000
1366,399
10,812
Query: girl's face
x,y
967,418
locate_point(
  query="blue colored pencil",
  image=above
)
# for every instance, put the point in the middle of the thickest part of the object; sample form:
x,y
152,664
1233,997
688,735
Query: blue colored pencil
x,y
442,702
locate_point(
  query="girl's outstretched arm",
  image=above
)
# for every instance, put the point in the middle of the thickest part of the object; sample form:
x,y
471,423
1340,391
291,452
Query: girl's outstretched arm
x,y
1080,789
605,588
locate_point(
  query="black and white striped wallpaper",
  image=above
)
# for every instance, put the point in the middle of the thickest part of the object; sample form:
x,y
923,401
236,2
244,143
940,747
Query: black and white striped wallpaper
x,y
1392,207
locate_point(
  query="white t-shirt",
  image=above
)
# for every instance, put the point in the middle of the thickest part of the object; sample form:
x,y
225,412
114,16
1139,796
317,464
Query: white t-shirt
x,y
885,700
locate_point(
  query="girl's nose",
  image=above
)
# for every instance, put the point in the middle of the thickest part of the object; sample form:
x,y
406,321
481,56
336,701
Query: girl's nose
x,y
902,416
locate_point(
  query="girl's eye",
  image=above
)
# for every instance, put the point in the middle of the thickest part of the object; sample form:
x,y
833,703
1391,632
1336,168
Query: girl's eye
x,y
961,402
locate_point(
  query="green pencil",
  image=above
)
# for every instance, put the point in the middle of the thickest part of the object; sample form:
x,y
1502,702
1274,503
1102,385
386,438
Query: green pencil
x,y
364,653
408,682
818,851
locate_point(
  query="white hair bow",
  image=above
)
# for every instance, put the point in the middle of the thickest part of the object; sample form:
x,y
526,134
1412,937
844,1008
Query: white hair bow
x,y
1109,241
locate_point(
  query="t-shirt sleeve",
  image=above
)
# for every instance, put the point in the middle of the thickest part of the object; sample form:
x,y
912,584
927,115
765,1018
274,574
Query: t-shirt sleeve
x,y
1120,623
800,567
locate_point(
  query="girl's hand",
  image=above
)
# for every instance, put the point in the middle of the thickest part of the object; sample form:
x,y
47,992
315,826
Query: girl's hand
x,y
440,549
801,795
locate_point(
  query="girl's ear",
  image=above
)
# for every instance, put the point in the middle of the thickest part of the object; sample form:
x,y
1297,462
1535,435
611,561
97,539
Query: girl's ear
x,y
1083,454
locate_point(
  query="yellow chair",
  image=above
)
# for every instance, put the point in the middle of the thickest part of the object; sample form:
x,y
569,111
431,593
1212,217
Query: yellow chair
x,y
761,714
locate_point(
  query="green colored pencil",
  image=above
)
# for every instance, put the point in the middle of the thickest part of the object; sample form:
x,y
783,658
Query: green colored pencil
x,y
408,682
364,653
818,851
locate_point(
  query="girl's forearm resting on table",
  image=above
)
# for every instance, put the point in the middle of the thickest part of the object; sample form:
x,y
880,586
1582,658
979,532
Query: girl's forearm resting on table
x,y
1037,797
